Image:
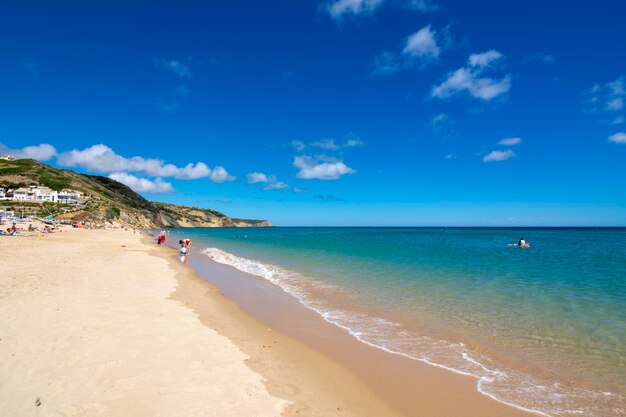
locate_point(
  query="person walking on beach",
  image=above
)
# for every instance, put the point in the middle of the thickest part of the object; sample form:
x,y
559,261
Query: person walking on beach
x,y
162,237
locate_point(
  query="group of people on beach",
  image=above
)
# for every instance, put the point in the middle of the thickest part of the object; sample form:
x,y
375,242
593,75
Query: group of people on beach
x,y
46,229
20,231
185,244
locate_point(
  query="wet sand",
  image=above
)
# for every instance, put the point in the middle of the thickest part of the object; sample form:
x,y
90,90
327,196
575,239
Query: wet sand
x,y
409,387
103,323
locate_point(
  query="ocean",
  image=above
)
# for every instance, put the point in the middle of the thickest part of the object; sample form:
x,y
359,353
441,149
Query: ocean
x,y
541,328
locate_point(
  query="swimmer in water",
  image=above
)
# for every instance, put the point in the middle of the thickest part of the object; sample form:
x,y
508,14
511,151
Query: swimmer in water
x,y
520,244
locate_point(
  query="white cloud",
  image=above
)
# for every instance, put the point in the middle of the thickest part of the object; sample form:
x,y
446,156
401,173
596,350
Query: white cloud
x,y
443,124
440,118
331,145
172,103
175,66
351,143
615,104
606,98
256,177
386,63
269,181
466,80
321,168
422,44
142,185
41,152
469,79
102,159
420,48
339,9
220,175
499,155
326,144
619,137
298,145
618,120
617,87
484,59
510,141
188,172
421,5
276,185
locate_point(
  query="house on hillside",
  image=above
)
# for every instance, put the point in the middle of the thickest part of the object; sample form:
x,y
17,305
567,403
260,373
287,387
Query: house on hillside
x,y
8,194
7,157
24,194
39,194
67,196
45,194
35,193
3,194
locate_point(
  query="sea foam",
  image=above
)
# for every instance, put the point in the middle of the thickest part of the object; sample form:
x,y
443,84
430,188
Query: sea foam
x,y
512,387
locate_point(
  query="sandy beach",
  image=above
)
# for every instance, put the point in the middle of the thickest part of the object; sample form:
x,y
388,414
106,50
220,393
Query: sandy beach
x,y
87,329
104,323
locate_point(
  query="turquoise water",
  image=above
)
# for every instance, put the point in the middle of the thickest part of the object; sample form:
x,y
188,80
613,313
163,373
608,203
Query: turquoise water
x,y
542,328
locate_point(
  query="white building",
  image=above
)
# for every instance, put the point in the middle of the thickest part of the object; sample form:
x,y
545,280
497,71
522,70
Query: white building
x,y
24,194
45,194
68,197
7,157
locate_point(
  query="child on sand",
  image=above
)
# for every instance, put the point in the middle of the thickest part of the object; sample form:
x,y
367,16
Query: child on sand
x,y
186,243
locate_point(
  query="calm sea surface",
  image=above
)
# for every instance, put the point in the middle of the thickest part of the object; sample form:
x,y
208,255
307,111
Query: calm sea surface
x,y
542,328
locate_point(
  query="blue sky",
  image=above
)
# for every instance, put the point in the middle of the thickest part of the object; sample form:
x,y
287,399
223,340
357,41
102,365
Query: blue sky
x,y
340,112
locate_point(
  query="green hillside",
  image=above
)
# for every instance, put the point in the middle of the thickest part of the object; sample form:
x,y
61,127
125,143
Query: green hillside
x,y
108,200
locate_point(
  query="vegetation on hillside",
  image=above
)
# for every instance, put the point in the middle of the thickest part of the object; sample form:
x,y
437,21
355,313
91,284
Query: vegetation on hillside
x,y
109,200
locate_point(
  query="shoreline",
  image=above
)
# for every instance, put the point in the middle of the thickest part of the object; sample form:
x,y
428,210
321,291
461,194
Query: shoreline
x,y
105,323
100,323
407,384
314,384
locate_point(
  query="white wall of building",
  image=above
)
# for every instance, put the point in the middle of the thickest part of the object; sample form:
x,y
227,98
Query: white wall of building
x,y
44,194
